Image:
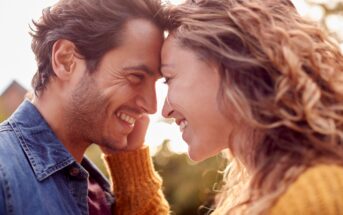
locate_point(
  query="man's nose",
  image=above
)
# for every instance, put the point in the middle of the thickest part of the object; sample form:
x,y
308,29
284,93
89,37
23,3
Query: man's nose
x,y
167,109
147,100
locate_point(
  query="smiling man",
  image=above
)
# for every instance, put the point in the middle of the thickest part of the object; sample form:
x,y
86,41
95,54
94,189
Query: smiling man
x,y
98,61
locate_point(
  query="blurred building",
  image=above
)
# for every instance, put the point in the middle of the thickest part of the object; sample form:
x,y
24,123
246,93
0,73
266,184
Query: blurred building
x,y
10,99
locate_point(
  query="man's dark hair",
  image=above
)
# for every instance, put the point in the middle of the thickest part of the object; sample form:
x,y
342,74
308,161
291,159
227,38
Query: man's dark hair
x,y
94,26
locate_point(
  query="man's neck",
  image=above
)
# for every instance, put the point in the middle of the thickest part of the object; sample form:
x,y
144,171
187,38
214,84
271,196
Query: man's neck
x,y
53,113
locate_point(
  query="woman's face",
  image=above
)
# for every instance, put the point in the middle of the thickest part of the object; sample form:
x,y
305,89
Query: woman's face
x,y
193,86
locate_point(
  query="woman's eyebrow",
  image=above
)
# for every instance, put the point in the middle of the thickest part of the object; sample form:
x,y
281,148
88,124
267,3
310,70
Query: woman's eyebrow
x,y
166,65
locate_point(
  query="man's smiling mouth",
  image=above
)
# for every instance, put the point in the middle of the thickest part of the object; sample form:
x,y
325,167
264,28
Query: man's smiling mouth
x,y
126,118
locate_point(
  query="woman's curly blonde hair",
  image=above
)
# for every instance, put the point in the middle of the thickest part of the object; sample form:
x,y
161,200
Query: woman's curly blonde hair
x,y
283,75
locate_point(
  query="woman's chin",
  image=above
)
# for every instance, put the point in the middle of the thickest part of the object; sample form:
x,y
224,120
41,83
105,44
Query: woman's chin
x,y
198,156
202,153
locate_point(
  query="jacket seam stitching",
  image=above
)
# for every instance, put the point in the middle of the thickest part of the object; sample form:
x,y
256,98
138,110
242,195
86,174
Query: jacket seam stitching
x,y
20,135
7,191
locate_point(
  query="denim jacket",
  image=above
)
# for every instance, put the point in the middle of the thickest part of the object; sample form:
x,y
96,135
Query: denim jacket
x,y
37,174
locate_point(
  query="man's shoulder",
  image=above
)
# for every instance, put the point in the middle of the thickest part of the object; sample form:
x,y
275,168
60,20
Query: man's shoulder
x,y
10,155
14,166
10,151
8,140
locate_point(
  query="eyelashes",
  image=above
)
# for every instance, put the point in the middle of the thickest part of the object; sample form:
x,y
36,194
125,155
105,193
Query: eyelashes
x,y
135,78
166,80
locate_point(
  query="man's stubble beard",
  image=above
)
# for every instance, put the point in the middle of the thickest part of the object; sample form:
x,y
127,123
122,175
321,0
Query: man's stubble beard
x,y
85,112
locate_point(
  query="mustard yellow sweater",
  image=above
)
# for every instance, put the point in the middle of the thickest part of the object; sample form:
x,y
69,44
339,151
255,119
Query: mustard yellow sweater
x,y
137,187
319,190
136,184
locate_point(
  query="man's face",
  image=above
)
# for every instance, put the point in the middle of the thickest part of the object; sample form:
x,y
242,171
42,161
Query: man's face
x,y
105,104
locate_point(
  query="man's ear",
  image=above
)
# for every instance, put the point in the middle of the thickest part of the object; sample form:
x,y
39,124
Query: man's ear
x,y
63,59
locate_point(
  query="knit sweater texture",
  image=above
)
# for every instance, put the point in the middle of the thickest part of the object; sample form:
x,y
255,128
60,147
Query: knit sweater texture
x,y
319,190
138,188
135,183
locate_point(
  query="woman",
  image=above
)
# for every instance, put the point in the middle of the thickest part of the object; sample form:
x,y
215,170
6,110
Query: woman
x,y
253,77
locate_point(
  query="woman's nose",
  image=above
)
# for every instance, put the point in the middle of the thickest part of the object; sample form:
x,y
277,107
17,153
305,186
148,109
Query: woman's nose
x,y
167,110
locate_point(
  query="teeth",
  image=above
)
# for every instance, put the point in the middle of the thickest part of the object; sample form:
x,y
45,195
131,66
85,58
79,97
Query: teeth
x,y
126,118
183,125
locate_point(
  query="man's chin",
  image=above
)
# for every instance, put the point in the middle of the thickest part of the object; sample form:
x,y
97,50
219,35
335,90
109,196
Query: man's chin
x,y
114,145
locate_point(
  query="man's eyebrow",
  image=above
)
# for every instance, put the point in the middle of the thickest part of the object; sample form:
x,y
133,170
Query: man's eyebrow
x,y
141,67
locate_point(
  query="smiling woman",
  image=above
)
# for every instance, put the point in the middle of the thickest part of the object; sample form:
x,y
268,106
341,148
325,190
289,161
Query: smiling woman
x,y
97,64
258,80
193,104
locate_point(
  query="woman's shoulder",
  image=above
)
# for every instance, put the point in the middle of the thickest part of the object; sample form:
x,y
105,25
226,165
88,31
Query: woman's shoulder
x,y
318,190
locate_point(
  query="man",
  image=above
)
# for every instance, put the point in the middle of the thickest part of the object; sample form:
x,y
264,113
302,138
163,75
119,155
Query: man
x,y
98,61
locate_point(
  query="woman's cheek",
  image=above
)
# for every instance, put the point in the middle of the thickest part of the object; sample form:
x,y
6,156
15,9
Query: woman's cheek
x,y
176,95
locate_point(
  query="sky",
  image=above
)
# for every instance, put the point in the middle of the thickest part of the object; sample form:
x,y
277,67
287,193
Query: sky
x,y
17,60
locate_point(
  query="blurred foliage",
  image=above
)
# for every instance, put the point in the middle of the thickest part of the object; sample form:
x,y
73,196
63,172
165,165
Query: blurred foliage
x,y
329,8
188,186
94,154
3,116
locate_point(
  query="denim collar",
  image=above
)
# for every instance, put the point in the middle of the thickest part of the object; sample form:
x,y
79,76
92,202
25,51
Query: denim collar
x,y
44,151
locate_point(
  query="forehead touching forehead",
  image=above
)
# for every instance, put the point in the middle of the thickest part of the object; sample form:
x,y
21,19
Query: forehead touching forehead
x,y
141,45
169,52
174,45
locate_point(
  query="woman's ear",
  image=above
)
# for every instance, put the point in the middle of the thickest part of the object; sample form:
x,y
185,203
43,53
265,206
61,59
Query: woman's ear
x,y
63,59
